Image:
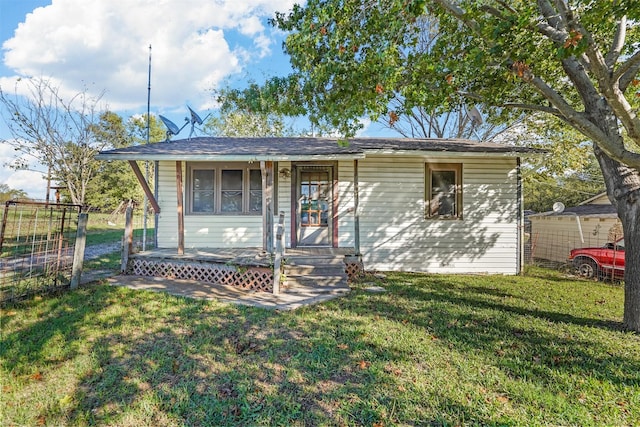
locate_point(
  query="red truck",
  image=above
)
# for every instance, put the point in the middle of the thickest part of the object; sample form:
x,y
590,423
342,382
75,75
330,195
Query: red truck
x,y
604,262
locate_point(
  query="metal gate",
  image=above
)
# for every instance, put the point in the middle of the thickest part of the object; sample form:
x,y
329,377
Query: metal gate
x,y
36,247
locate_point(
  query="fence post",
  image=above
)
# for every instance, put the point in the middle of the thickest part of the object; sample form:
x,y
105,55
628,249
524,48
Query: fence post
x,y
127,241
277,262
78,254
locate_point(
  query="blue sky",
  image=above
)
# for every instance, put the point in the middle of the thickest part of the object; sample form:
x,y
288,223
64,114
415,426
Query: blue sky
x,y
197,45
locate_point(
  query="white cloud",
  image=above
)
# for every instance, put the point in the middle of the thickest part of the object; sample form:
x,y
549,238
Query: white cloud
x,y
103,45
31,182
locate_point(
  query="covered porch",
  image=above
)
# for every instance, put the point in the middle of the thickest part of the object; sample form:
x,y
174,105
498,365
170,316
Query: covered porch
x,y
252,269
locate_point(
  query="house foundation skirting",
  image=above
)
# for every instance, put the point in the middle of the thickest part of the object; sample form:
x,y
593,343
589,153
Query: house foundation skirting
x,y
231,272
353,267
245,277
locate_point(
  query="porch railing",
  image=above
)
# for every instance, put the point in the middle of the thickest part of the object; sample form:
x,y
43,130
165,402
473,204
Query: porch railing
x,y
277,262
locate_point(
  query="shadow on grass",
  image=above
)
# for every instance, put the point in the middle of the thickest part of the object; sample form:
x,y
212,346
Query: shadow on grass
x,y
532,350
164,360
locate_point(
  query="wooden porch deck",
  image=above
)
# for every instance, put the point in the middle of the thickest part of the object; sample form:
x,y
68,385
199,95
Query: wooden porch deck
x,y
256,257
249,268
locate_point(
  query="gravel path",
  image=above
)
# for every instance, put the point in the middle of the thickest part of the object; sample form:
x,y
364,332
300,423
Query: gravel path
x,y
96,251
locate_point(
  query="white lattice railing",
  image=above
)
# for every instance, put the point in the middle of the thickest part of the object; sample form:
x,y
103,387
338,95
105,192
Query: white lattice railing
x,y
254,278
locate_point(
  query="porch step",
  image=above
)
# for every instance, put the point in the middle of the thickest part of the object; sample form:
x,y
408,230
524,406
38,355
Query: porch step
x,y
315,273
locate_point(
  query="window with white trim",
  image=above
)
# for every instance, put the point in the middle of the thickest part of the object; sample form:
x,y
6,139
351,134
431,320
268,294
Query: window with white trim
x,y
225,189
443,190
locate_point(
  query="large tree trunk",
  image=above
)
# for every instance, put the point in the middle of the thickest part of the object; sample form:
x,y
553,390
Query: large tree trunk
x,y
623,189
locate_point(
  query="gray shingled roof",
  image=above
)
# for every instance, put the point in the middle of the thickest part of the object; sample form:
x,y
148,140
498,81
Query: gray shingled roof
x,y
596,210
219,148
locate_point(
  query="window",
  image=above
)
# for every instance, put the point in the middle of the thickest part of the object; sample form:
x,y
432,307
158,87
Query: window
x,y
203,196
231,201
443,191
255,191
227,190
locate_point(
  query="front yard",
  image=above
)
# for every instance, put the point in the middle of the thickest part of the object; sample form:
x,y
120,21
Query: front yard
x,y
432,350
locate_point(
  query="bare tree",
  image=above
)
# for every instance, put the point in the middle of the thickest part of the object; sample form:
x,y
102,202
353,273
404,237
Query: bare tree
x,y
57,133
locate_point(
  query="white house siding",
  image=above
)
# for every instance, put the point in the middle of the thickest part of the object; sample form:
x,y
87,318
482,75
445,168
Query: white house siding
x,y
283,177
553,236
394,235
201,231
346,237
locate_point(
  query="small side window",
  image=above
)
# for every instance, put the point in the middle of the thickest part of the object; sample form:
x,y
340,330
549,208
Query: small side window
x,y
443,191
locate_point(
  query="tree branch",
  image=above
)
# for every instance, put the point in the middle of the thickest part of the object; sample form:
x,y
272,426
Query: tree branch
x,y
533,107
617,44
627,71
460,15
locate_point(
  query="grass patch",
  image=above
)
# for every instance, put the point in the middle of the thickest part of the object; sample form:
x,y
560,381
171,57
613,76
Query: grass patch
x,y
110,261
432,350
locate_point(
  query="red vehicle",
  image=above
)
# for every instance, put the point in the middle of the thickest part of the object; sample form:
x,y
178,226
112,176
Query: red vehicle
x,y
607,261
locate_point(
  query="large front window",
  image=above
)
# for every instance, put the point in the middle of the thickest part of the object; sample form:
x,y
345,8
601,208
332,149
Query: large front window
x,y
443,191
224,189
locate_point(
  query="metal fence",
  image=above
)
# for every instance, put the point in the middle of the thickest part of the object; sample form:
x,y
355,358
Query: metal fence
x,y
144,237
550,247
37,242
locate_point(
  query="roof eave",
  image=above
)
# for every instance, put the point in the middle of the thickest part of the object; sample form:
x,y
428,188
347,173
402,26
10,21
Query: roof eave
x,y
445,153
229,157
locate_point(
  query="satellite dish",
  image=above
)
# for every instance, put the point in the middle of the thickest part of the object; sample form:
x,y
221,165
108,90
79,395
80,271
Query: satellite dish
x,y
195,118
172,128
475,116
558,207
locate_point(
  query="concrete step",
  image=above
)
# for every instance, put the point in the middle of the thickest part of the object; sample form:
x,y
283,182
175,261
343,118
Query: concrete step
x,y
315,260
322,280
315,274
314,290
318,270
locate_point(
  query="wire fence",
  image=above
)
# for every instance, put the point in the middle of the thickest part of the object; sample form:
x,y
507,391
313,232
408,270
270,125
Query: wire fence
x,y
548,244
37,243
144,236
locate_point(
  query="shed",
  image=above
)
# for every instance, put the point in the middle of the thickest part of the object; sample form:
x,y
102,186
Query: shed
x,y
592,223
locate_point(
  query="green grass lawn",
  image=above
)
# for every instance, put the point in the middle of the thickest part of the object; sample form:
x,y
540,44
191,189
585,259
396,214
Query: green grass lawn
x,y
432,350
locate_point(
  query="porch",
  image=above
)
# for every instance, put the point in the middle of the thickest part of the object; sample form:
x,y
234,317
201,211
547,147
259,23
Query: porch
x,y
309,269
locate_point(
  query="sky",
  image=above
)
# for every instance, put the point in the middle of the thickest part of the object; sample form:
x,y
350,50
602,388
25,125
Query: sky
x,y
103,46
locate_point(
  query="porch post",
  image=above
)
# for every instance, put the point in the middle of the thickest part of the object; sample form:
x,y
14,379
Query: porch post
x,y
266,168
356,202
180,208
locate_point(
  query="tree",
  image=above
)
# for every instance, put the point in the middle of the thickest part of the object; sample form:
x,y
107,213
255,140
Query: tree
x,y
114,181
55,132
236,118
574,60
569,173
8,193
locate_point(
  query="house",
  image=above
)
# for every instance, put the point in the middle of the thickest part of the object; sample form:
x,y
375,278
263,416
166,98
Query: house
x,y
592,223
424,205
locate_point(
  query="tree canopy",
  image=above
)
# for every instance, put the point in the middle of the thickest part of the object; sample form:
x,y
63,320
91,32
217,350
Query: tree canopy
x,y
55,131
114,181
574,60
8,193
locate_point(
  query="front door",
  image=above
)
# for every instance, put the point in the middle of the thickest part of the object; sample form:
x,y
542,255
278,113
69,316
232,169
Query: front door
x,y
314,210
